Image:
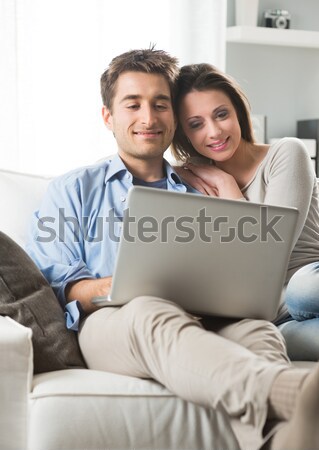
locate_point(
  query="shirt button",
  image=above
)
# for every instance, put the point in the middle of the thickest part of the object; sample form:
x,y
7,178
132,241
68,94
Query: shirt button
x,y
122,198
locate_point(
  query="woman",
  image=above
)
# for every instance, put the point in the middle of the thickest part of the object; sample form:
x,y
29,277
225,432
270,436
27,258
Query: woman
x,y
214,140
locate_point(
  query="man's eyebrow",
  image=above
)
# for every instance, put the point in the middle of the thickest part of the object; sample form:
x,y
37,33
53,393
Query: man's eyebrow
x,y
163,97
130,97
138,97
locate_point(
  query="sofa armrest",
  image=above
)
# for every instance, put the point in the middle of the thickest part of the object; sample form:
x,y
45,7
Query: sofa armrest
x,y
16,373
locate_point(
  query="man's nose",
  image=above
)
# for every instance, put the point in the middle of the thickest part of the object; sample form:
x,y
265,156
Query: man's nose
x,y
148,116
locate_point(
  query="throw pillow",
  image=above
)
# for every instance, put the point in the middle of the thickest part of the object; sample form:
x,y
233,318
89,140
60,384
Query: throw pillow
x,y
26,297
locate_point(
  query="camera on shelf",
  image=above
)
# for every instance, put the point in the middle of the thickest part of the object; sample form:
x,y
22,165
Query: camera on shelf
x,y
277,18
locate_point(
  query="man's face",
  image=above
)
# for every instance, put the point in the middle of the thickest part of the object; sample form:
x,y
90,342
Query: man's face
x,y
142,118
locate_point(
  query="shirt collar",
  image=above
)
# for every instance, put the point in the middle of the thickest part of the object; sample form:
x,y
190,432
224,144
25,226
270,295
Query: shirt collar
x,y
116,166
172,177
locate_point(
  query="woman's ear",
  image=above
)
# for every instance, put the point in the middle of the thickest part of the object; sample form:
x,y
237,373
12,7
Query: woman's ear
x,y
107,118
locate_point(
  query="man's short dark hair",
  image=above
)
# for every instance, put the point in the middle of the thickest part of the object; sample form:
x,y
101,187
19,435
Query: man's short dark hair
x,y
144,60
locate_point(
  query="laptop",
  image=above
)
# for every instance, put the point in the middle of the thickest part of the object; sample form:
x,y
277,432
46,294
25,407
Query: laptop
x,y
211,256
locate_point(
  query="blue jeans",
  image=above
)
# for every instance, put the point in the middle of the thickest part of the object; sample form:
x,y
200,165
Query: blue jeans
x,y
301,328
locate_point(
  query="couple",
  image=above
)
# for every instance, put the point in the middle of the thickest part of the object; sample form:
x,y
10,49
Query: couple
x,y
143,92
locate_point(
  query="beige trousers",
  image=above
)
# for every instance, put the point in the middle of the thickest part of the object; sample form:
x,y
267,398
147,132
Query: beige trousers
x,y
211,362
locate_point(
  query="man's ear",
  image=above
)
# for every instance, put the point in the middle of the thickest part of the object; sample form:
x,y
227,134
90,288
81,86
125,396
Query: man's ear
x,y
107,117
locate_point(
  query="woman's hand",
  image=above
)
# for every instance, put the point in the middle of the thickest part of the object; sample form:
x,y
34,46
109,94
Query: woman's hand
x,y
210,180
195,181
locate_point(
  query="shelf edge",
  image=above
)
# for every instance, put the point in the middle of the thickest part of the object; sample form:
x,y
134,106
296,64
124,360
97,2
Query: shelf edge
x,y
272,36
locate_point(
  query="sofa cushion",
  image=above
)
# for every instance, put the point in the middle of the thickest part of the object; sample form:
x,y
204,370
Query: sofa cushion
x,y
26,297
101,410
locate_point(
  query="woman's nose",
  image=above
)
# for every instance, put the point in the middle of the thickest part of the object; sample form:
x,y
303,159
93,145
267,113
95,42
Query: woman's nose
x,y
214,131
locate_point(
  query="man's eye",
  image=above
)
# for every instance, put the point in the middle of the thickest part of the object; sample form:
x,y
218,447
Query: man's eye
x,y
161,107
135,106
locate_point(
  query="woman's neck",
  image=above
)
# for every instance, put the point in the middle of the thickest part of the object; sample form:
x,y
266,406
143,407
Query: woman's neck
x,y
244,163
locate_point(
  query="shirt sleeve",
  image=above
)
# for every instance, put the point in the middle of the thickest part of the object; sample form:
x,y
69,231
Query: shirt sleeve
x,y
290,179
55,240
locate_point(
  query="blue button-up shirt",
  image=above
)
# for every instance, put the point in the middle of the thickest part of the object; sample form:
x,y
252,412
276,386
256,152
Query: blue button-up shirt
x,y
75,232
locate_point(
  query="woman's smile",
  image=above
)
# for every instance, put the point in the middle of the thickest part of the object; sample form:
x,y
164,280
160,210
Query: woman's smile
x,y
219,146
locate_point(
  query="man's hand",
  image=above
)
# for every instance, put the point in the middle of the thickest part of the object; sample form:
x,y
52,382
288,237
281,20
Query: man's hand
x,y
85,290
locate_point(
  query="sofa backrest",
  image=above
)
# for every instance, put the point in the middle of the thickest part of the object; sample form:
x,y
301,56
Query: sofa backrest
x,y
20,196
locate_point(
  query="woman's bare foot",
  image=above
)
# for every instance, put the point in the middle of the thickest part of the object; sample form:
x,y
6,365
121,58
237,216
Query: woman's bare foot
x,y
302,431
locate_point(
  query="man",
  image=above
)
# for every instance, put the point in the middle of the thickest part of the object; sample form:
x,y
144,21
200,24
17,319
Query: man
x,y
240,365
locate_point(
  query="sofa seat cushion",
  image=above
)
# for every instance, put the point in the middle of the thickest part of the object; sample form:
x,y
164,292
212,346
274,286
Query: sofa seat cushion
x,y
87,409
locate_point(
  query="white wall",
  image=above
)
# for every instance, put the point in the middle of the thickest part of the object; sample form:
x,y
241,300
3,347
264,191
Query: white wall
x,y
281,82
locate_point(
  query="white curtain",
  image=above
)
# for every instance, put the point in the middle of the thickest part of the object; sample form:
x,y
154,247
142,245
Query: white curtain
x,y
52,53
198,30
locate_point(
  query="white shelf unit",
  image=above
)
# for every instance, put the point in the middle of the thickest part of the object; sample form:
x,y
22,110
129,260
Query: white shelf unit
x,y
298,39
273,36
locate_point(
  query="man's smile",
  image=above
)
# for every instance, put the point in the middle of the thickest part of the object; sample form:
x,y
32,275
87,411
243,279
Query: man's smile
x,y
148,133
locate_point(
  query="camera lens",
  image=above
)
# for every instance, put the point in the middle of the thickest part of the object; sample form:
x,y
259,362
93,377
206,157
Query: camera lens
x,y
281,22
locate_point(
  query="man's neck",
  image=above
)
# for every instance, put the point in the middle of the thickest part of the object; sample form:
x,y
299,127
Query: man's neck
x,y
145,169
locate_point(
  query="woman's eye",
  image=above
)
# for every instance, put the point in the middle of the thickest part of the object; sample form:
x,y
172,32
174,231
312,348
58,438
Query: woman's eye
x,y
222,114
194,125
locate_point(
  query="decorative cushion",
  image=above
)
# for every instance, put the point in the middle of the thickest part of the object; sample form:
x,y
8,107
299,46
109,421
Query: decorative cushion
x,y
26,297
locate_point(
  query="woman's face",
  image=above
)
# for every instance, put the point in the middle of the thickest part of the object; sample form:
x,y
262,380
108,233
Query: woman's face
x,y
210,122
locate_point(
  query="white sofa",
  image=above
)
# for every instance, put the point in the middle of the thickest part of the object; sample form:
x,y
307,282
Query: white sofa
x,y
81,409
